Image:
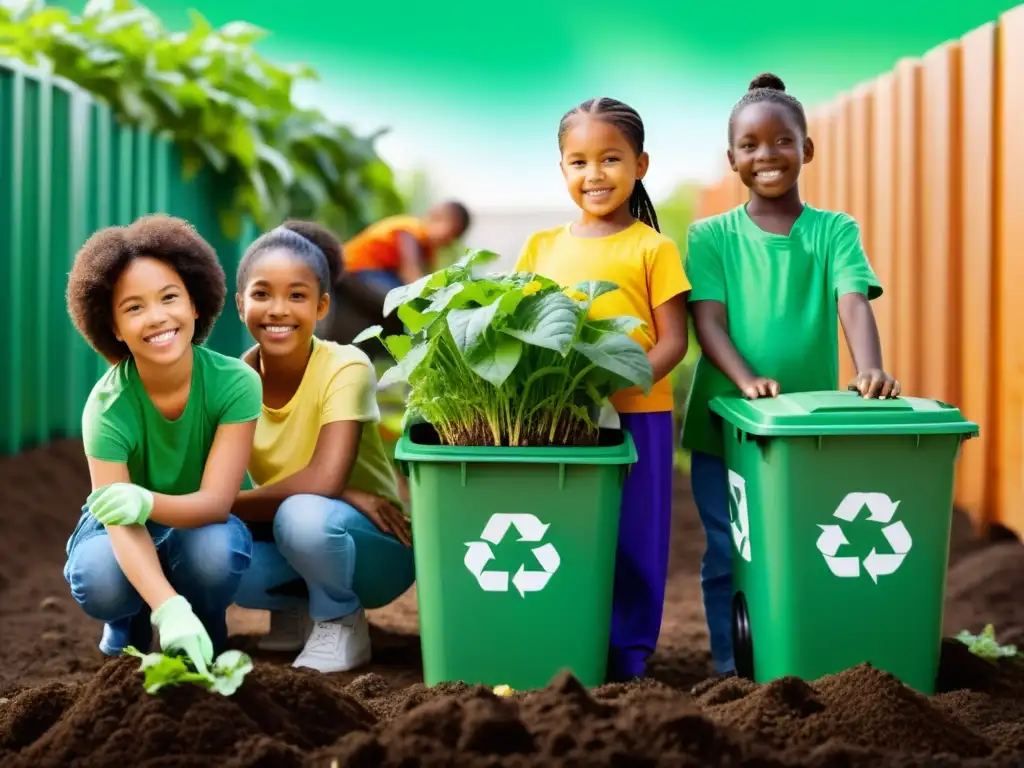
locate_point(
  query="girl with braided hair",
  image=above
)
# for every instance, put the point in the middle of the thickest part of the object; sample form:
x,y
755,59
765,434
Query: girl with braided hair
x,y
769,279
617,239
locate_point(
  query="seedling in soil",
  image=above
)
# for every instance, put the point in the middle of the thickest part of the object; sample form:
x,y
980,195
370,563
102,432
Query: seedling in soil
x,y
985,646
225,677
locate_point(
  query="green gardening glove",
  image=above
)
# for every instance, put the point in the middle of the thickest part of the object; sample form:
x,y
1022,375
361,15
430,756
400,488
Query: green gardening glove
x,y
120,504
181,630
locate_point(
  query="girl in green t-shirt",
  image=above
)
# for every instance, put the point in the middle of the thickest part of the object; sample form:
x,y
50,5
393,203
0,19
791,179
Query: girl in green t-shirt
x,y
167,433
770,279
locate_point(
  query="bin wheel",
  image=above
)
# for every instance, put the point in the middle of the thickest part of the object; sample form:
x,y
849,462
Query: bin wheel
x,y
742,638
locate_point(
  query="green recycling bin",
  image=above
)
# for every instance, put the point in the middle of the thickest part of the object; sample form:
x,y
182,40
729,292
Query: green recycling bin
x,y
515,556
840,512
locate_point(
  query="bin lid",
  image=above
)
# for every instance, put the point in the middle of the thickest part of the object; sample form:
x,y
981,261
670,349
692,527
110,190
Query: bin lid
x,y
841,413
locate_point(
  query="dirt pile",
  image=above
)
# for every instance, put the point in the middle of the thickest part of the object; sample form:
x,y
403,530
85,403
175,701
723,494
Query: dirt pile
x,y
61,705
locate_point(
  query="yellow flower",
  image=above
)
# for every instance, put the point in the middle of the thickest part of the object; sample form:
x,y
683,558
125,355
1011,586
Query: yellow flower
x,y
575,295
531,288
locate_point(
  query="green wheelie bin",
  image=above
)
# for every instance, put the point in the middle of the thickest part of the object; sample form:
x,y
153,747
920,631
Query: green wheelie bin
x,y
515,556
840,512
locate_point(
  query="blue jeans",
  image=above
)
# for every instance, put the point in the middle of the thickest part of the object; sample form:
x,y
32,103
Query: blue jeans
x,y
346,562
204,565
382,278
710,492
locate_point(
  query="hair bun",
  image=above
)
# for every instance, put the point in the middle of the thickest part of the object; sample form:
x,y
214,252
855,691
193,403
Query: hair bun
x,y
323,239
767,80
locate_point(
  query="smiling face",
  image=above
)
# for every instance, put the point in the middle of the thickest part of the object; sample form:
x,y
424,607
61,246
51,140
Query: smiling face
x,y
768,149
152,312
281,303
599,165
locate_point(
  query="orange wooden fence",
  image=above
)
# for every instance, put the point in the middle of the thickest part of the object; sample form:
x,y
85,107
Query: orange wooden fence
x,y
928,159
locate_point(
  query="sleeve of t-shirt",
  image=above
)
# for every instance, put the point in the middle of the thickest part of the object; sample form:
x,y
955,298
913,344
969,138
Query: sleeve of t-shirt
x,y
351,395
105,435
851,271
666,277
527,257
241,396
704,266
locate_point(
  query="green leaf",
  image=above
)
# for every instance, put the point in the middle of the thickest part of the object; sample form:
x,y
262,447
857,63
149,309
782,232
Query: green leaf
x,y
550,321
243,32
621,356
373,332
595,288
495,361
403,294
477,256
468,326
442,298
623,324
415,321
412,360
398,346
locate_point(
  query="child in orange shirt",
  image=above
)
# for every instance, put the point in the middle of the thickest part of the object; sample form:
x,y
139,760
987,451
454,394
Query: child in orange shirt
x,y
399,250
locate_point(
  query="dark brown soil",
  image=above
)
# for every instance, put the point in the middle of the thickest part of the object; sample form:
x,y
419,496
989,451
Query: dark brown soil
x,y
61,705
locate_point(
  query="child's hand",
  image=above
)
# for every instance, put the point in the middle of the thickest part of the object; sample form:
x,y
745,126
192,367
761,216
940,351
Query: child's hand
x,y
381,512
181,630
761,387
120,504
875,382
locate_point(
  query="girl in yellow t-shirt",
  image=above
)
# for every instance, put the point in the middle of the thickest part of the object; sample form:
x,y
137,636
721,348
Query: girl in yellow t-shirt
x,y
331,536
616,238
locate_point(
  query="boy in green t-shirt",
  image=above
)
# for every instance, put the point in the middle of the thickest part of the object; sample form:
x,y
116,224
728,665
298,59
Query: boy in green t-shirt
x,y
167,432
768,277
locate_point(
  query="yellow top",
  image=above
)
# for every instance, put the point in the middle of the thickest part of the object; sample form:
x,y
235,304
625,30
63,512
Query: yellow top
x,y
646,266
339,385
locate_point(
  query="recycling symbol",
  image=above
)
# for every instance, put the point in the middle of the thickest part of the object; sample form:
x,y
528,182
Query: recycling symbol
x,y
881,510
739,515
529,528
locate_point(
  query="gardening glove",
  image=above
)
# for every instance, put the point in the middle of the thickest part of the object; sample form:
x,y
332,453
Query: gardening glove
x,y
181,630
120,504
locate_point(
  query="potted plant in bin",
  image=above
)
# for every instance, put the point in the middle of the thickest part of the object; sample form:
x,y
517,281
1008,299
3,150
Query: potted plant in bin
x,y
515,486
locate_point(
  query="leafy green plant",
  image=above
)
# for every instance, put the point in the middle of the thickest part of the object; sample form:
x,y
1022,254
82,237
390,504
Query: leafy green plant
x,y
226,673
985,645
223,104
509,359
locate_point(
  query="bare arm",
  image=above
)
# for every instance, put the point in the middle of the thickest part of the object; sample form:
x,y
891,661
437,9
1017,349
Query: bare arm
x,y
672,334
410,268
711,323
862,337
132,545
222,477
861,331
327,473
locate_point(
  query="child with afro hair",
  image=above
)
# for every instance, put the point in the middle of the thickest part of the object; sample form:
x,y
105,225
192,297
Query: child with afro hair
x,y
167,432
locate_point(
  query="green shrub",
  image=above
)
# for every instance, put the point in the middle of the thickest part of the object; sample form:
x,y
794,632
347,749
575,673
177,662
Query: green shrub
x,y
221,102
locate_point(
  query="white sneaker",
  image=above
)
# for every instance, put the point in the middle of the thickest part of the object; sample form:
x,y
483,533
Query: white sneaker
x,y
289,630
338,645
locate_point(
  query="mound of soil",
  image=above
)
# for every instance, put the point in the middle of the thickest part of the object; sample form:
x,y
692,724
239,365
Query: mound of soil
x,y
61,704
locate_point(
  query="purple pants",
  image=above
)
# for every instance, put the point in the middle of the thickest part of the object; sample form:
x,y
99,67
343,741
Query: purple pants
x,y
641,562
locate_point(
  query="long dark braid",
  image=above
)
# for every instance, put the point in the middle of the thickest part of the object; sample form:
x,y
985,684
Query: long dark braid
x,y
628,121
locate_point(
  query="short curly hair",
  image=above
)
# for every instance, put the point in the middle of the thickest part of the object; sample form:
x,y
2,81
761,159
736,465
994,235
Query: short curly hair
x,y
105,255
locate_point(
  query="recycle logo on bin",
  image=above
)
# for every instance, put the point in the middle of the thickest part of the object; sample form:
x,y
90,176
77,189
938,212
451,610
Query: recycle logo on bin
x,y
739,515
529,528
881,510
